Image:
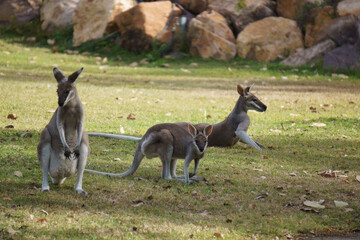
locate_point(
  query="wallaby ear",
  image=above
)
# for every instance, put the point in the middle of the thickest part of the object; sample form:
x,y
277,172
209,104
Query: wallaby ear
x,y
208,130
192,129
240,90
75,75
248,89
58,74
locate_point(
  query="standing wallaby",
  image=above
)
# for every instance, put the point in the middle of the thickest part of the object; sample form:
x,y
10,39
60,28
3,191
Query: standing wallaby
x,y
169,141
234,127
64,145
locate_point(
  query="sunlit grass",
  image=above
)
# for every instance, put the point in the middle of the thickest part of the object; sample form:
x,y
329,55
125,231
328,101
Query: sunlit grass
x,y
172,210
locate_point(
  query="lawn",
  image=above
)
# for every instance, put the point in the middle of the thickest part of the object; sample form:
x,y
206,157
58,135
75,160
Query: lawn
x,y
311,125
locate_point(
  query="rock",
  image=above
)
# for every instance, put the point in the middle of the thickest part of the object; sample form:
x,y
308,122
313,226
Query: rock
x,y
19,11
91,18
293,9
194,6
303,56
269,39
348,7
318,17
340,204
57,14
139,25
210,36
341,30
252,13
119,7
346,56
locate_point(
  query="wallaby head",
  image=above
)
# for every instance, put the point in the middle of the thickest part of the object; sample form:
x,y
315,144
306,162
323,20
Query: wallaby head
x,y
200,137
251,101
66,86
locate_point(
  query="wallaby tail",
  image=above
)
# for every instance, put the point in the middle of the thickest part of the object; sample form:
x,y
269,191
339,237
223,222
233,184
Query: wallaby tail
x,y
136,163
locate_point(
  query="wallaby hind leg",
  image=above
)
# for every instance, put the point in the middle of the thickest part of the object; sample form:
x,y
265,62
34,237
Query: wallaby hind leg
x,y
84,153
173,168
44,153
165,157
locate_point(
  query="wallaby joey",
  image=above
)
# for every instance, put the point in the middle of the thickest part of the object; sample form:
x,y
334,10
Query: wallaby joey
x,y
64,145
235,126
169,141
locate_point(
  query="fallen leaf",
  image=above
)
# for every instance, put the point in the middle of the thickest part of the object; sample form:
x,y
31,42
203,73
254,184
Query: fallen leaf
x,y
12,231
208,116
191,236
318,125
227,181
265,157
329,173
6,198
194,64
262,196
228,221
137,203
312,108
218,235
313,204
9,126
26,134
41,220
134,64
12,116
117,159
340,204
18,174
309,210
165,65
185,70
50,111
131,116
358,178
51,42
289,236
31,39
204,213
349,210
134,229
293,174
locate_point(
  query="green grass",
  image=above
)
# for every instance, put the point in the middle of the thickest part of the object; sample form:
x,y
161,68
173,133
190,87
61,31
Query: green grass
x,y
172,210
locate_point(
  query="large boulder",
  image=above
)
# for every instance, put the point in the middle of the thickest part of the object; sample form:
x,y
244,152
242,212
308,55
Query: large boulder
x,y
293,9
92,17
194,6
57,14
210,36
119,7
318,17
19,11
303,56
139,25
341,30
348,7
247,15
346,56
232,6
269,39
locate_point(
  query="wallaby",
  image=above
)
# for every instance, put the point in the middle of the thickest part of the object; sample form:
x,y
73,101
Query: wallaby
x,y
234,127
169,141
64,145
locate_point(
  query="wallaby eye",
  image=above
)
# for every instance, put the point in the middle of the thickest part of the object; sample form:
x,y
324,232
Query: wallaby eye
x,y
255,100
67,91
197,142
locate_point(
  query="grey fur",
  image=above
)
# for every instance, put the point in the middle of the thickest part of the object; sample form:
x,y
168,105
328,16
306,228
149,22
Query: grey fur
x,y
64,148
169,141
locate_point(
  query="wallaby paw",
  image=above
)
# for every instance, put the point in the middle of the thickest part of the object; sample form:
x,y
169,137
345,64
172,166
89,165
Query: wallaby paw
x,y
81,192
67,152
77,152
198,178
45,189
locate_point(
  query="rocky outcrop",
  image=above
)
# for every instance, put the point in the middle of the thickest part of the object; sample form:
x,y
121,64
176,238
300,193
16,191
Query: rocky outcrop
x,y
119,7
139,25
57,14
341,30
210,37
252,13
318,17
91,18
303,56
346,56
194,6
269,39
19,11
348,7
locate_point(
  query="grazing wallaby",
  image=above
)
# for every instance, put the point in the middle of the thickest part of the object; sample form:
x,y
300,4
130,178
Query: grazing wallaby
x,y
64,145
234,127
169,141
